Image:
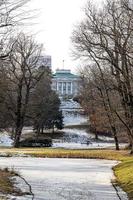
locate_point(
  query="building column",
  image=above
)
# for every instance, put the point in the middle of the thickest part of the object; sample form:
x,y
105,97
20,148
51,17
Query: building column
x,y
71,87
57,86
66,88
62,88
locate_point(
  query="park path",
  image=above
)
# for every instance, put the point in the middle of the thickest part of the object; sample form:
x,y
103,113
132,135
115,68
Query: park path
x,y
65,179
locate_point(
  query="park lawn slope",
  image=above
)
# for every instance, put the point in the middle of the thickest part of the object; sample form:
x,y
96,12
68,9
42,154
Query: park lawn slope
x,y
123,171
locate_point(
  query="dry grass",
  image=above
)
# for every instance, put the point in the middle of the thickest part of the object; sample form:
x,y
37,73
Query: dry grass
x,y
67,153
6,183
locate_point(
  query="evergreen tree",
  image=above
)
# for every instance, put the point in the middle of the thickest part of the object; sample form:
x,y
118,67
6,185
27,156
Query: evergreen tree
x,y
45,106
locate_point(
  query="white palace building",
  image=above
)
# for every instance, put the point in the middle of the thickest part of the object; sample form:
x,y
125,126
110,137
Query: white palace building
x,y
65,83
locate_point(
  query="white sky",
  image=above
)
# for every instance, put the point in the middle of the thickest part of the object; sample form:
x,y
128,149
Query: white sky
x,y
56,21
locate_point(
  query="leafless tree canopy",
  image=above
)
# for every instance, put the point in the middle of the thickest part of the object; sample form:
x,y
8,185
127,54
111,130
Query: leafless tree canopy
x,y
12,15
105,37
22,74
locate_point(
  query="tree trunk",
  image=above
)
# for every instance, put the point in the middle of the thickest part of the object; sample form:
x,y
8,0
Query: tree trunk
x,y
131,142
96,134
17,136
21,110
19,119
38,133
131,152
115,138
42,129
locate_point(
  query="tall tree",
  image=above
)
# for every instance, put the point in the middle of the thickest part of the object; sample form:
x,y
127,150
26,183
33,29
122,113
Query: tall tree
x,y
45,105
98,102
5,117
105,37
23,75
12,15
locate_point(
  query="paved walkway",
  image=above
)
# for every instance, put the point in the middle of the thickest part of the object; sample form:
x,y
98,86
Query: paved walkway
x,y
65,179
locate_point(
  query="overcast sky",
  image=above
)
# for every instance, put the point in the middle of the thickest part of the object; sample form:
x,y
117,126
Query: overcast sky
x,y
56,20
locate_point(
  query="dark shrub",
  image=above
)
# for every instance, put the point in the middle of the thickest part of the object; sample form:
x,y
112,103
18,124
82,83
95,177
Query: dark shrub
x,y
30,142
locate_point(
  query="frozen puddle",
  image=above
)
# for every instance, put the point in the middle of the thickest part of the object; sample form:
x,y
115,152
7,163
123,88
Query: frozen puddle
x,y
65,179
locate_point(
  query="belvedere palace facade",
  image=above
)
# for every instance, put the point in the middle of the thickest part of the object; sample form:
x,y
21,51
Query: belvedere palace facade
x,y
65,83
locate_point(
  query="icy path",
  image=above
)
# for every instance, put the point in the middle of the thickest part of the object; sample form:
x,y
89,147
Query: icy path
x,y
65,179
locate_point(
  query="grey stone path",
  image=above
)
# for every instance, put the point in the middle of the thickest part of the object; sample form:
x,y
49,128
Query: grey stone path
x,y
65,179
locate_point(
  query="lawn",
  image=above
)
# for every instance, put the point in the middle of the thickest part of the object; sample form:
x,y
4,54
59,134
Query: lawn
x,y
124,174
123,171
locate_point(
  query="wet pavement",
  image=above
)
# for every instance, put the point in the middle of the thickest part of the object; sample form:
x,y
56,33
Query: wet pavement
x,y
65,179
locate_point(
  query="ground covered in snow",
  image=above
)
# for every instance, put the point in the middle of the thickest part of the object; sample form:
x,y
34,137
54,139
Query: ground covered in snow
x,y
65,179
5,139
72,138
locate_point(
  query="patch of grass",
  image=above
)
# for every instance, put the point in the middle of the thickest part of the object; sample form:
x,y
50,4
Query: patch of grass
x,y
68,153
124,174
123,171
6,183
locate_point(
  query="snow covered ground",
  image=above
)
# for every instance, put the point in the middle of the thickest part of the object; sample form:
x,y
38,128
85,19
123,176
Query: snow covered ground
x,y
65,179
80,139
70,104
72,138
94,145
74,118
5,139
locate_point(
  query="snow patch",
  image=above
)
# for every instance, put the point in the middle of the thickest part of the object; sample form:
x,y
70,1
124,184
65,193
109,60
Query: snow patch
x,y
5,139
94,145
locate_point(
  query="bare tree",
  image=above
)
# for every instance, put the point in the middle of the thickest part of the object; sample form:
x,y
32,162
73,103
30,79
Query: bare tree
x,y
105,37
99,89
23,74
12,14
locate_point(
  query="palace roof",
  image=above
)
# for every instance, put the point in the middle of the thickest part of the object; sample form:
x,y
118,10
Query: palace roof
x,y
63,73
